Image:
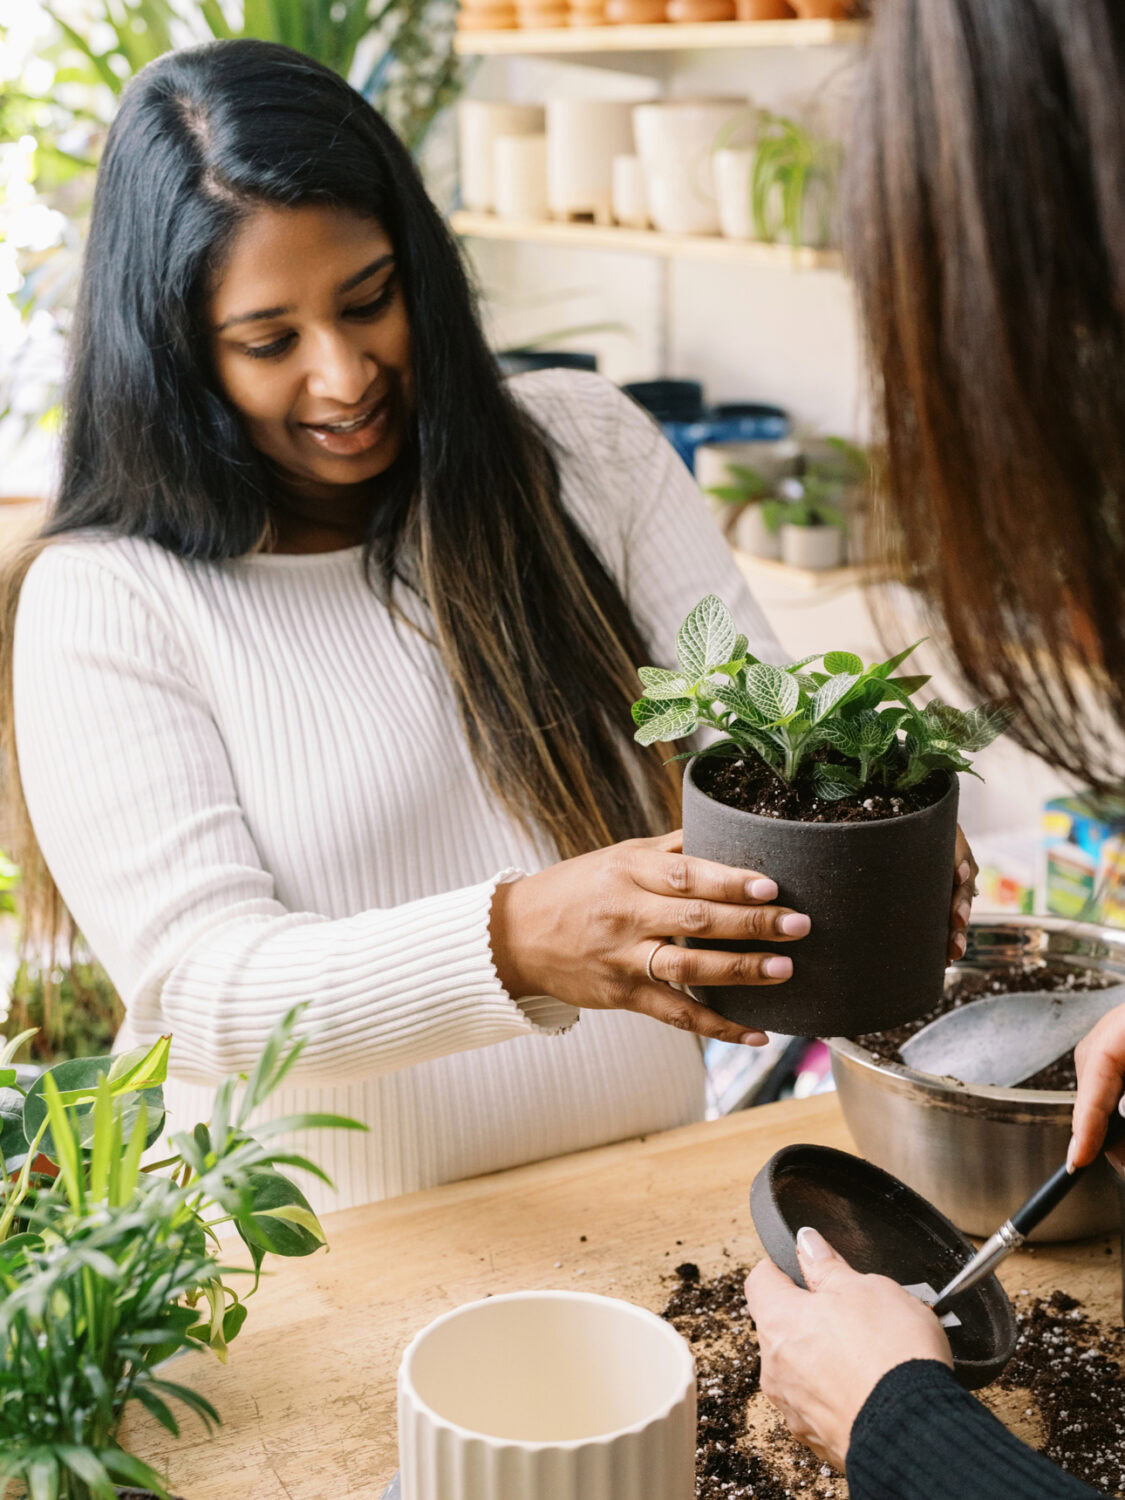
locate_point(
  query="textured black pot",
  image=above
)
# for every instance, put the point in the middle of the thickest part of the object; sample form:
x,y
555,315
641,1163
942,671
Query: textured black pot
x,y
878,895
881,1227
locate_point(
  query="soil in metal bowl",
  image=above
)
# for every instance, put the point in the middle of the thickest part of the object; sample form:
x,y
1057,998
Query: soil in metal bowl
x,y
1063,1392
1010,979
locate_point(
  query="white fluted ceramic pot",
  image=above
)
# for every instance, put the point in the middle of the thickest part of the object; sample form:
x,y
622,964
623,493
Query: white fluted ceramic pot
x,y
547,1396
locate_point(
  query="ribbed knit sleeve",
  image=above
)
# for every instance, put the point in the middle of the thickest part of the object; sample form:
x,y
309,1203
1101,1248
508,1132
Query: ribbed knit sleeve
x,y
642,509
132,798
921,1436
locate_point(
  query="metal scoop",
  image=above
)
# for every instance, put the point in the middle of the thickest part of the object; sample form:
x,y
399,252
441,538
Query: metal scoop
x,y
1003,1039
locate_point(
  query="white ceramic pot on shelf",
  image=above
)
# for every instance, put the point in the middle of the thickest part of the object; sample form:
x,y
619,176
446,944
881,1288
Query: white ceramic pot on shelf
x,y
479,122
583,137
547,1395
751,535
630,197
675,141
734,172
519,170
814,547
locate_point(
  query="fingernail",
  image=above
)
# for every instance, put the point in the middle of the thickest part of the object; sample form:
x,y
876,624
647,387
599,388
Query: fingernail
x,y
794,925
960,943
1121,1105
1071,1153
963,871
961,913
762,890
778,967
812,1246
753,1038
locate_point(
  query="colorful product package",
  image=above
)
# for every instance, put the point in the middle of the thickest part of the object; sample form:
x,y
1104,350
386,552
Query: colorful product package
x,y
1084,842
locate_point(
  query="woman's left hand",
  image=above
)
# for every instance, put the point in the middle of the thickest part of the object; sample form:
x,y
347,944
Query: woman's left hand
x,y
964,889
825,1350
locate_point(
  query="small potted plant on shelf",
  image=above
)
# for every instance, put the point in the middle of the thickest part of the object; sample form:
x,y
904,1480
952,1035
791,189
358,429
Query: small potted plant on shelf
x,y
829,779
793,183
748,498
817,495
809,526
109,1267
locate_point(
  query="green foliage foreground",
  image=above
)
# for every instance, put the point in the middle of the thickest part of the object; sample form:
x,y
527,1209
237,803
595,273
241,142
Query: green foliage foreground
x,y
109,1267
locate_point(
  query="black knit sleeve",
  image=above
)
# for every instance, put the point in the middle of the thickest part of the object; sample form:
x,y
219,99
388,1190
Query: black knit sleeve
x,y
920,1436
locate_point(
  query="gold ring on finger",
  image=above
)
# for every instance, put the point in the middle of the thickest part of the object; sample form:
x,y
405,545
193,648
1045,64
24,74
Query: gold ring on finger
x,y
653,951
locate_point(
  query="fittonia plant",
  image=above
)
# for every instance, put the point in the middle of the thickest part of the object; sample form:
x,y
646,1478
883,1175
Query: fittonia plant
x,y
876,736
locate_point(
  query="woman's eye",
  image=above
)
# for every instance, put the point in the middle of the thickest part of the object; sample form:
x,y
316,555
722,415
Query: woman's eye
x,y
268,351
371,309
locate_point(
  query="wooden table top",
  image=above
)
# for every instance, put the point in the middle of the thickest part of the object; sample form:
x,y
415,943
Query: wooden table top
x,y
308,1396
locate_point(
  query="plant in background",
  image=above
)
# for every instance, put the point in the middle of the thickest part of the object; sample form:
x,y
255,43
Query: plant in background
x,y
66,1000
108,1267
823,481
793,182
841,731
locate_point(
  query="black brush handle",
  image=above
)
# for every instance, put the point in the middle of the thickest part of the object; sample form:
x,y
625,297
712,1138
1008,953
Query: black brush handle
x,y
1048,1197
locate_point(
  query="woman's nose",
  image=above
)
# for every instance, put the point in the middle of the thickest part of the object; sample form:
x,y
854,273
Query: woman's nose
x,y
340,371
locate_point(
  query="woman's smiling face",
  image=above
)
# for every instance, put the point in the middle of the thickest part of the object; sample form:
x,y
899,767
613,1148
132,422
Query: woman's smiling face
x,y
311,345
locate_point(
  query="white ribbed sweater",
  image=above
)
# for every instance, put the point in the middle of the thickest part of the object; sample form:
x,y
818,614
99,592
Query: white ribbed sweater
x,y
252,789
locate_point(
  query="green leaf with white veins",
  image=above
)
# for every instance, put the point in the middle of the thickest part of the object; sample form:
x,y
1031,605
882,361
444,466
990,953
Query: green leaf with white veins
x,y
841,735
678,718
833,782
826,697
659,683
985,723
742,704
773,692
706,638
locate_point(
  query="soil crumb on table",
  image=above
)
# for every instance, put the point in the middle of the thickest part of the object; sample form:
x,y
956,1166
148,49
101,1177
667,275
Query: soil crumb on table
x,y
1063,1392
970,985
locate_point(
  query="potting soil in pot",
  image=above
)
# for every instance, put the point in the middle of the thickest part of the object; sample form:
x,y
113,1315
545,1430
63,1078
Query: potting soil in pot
x,y
1063,1392
972,985
752,787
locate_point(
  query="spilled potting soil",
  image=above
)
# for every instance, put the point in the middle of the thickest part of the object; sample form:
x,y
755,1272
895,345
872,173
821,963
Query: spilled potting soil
x,y
1063,1392
1011,979
751,786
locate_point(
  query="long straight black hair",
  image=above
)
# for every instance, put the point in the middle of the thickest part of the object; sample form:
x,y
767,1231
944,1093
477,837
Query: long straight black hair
x,y
538,641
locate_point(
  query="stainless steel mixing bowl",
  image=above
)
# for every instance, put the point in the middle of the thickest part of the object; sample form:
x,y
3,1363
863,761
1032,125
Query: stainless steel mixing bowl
x,y
974,1152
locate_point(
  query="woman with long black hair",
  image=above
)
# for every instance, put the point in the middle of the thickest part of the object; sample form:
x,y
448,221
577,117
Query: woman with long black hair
x,y
321,669
986,216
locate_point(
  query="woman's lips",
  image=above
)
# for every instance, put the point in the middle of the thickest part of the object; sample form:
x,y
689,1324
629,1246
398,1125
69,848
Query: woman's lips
x,y
351,440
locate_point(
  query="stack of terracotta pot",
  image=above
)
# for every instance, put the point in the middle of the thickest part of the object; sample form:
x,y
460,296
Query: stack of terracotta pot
x,y
635,12
486,15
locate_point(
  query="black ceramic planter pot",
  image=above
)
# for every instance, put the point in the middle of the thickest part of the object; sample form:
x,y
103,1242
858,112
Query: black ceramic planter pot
x,y
881,1227
878,894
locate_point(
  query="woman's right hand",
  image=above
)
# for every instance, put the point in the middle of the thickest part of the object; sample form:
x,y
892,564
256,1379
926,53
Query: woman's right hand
x,y
1100,1059
583,930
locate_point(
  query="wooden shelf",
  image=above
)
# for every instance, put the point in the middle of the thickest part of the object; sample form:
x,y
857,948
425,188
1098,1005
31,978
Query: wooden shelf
x,y
808,579
646,242
667,37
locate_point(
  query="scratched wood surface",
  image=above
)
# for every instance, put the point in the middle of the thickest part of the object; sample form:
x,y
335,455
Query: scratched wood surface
x,y
308,1396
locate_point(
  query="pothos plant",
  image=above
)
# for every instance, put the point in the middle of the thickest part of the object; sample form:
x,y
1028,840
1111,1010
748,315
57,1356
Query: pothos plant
x,y
841,728
109,1265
